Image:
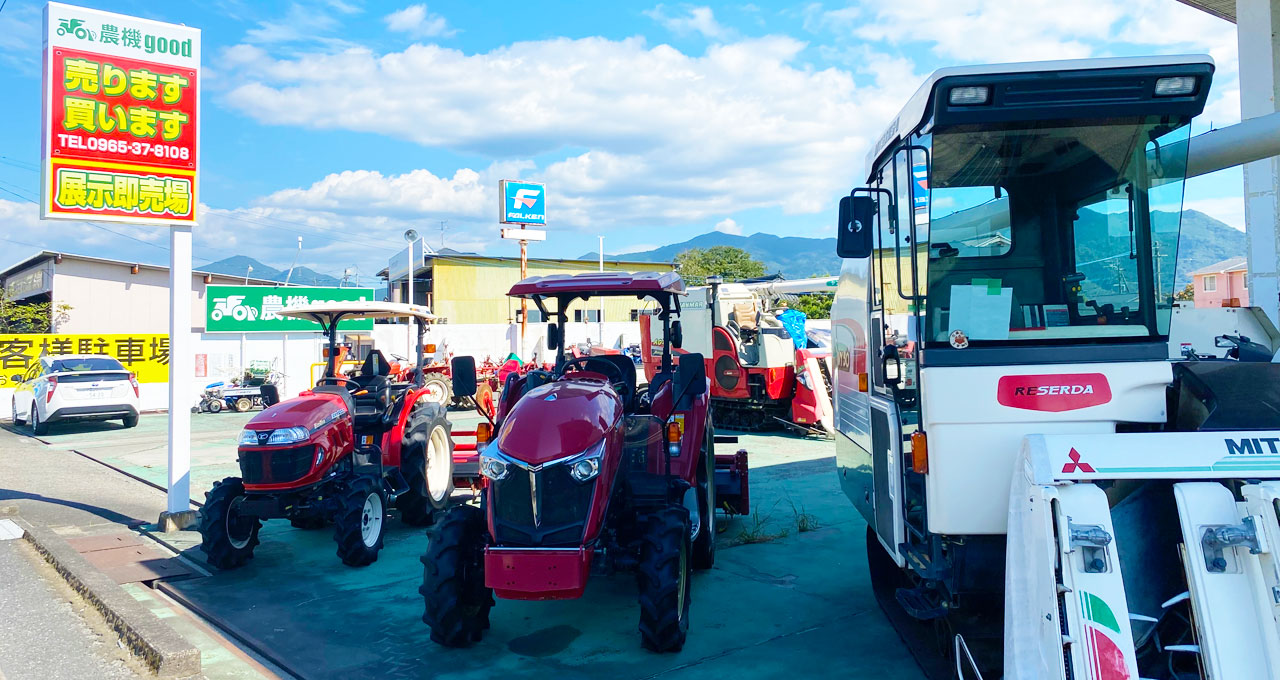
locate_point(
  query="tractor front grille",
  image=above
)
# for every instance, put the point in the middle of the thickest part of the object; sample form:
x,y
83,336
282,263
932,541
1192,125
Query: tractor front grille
x,y
277,466
562,505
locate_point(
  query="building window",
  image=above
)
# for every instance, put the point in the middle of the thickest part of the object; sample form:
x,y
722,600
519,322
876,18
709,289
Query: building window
x,y
534,316
1244,281
588,315
635,315
1210,283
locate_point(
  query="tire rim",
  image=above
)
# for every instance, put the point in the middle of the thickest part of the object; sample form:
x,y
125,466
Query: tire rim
x,y
371,520
434,392
233,521
695,512
243,404
438,459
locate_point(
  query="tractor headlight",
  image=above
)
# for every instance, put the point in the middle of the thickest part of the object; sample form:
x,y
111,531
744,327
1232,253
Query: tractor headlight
x,y
493,467
248,438
289,435
585,467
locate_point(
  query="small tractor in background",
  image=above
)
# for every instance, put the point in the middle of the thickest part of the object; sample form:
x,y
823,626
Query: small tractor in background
x,y
584,473
1050,491
341,453
764,374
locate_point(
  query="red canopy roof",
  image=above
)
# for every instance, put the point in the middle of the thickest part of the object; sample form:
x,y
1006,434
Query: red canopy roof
x,y
600,283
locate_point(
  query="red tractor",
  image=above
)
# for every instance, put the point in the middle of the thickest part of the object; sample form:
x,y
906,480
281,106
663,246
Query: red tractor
x,y
587,473
341,453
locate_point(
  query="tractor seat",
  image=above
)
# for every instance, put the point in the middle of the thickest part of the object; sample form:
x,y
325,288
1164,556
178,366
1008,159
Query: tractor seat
x,y
370,406
373,372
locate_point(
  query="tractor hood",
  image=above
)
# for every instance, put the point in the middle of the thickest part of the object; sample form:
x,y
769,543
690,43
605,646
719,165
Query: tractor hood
x,y
309,411
559,419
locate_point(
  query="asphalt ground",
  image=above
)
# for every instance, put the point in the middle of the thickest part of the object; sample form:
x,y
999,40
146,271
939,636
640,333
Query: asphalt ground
x,y
789,593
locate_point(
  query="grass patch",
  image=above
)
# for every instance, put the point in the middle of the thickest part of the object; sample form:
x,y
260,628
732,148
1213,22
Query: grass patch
x,y
756,530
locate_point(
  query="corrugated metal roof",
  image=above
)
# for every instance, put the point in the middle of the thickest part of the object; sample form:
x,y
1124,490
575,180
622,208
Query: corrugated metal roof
x,y
1223,9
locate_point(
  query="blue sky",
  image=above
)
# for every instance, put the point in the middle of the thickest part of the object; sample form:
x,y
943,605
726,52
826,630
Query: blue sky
x,y
347,122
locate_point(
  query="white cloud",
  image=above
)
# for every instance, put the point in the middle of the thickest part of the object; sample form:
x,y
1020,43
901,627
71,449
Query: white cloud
x,y
418,22
413,194
729,226
669,137
689,20
1229,209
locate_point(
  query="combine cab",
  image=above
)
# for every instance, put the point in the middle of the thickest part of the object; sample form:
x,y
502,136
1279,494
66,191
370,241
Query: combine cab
x,y
1037,448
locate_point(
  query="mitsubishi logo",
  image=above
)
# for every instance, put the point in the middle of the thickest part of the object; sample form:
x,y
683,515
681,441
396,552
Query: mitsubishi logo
x,y
1075,463
524,198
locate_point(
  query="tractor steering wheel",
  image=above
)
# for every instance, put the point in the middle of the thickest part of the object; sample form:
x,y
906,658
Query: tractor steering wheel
x,y
336,379
620,385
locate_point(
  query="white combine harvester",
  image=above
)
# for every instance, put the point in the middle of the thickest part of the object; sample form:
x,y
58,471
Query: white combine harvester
x,y
1037,447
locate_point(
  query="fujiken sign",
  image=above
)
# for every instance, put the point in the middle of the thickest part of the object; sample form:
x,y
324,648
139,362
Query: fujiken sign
x,y
522,202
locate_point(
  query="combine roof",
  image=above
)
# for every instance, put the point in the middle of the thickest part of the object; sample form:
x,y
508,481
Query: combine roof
x,y
600,283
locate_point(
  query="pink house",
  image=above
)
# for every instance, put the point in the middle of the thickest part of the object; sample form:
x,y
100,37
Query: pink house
x,y
1222,284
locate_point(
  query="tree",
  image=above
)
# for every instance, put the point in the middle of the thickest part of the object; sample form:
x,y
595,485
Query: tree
x,y
814,306
30,317
1187,294
734,264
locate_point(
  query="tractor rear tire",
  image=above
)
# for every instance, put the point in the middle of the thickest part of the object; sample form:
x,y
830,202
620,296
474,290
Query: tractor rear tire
x,y
663,580
226,538
426,461
453,591
438,389
361,522
704,546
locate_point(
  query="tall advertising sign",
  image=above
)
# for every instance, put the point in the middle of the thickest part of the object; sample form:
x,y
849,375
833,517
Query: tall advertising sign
x,y
121,107
522,202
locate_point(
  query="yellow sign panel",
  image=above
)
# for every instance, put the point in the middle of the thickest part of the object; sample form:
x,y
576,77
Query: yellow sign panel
x,y
146,355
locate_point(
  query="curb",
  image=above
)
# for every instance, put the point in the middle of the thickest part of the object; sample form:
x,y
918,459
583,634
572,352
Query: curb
x,y
166,653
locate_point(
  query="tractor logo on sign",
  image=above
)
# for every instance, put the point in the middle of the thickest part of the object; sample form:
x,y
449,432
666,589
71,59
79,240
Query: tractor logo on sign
x,y
1053,393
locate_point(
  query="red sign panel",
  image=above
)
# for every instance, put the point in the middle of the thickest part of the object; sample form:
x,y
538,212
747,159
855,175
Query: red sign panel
x,y
1055,392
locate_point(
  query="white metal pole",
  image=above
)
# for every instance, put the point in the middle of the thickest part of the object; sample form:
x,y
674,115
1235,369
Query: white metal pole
x,y
408,347
600,331
181,369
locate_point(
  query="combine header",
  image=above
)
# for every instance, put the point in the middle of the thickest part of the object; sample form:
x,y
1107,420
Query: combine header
x,y
1037,447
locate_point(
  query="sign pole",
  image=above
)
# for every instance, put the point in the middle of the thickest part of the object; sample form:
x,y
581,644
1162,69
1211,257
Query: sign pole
x,y
179,514
524,302
409,352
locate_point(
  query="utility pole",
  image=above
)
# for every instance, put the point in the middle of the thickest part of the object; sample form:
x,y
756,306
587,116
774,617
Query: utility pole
x,y
295,262
410,237
246,274
524,301
444,224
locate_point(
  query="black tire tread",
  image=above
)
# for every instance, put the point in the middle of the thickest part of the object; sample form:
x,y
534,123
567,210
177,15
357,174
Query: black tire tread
x,y
445,591
214,541
704,548
415,505
346,525
662,627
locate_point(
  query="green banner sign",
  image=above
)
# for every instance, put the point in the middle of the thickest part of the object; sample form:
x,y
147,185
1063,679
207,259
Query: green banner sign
x,y
253,309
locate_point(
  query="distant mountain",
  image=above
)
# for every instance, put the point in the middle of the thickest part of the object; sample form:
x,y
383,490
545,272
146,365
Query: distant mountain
x,y
794,256
1204,241
237,265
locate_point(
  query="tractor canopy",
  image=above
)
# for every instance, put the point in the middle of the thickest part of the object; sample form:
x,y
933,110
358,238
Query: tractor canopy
x,y
328,314
592,284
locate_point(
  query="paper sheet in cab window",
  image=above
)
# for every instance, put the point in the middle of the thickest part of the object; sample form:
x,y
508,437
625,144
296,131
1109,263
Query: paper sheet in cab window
x,y
982,310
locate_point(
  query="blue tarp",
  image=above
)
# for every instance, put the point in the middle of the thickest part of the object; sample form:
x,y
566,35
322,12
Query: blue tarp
x,y
793,320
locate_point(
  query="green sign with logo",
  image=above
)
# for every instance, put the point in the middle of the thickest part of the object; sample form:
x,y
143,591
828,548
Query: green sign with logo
x,y
254,309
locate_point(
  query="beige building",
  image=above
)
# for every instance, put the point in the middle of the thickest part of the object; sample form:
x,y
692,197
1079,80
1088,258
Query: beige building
x,y
107,296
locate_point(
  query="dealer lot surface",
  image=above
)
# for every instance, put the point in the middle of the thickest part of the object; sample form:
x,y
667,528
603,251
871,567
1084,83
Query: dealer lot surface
x,y
780,601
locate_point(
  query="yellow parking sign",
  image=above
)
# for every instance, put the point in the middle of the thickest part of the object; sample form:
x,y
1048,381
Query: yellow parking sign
x,y
146,355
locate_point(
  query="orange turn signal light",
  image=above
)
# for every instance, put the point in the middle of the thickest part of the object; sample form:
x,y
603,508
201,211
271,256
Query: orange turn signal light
x,y
673,432
431,348
862,382
483,432
919,453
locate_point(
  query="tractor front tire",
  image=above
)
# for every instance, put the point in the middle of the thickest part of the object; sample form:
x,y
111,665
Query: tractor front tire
x,y
663,580
704,546
438,389
457,601
361,522
227,538
426,461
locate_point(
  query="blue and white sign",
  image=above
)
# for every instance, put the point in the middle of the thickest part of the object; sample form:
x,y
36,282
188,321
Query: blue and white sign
x,y
522,202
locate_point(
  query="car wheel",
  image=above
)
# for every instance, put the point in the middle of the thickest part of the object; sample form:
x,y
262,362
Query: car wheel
x,y
16,419
38,427
130,421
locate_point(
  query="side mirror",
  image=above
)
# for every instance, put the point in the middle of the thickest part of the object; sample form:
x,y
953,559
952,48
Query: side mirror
x,y
553,336
464,376
677,335
691,376
853,231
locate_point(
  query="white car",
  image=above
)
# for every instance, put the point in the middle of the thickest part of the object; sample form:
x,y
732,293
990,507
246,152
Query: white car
x,y
74,387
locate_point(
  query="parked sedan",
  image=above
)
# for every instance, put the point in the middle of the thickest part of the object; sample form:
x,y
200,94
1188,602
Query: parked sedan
x,y
75,387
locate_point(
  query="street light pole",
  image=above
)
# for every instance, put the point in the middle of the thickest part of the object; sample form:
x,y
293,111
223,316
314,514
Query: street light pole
x,y
410,236
600,321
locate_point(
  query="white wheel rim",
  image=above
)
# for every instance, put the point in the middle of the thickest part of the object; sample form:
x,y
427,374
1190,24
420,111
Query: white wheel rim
x,y
371,520
439,460
695,515
434,392
231,537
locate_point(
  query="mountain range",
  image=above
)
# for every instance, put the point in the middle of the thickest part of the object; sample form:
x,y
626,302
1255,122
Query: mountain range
x,y
1204,240
238,265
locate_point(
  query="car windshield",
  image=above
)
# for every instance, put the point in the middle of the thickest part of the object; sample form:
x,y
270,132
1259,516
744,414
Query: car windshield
x,y
85,364
1059,231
